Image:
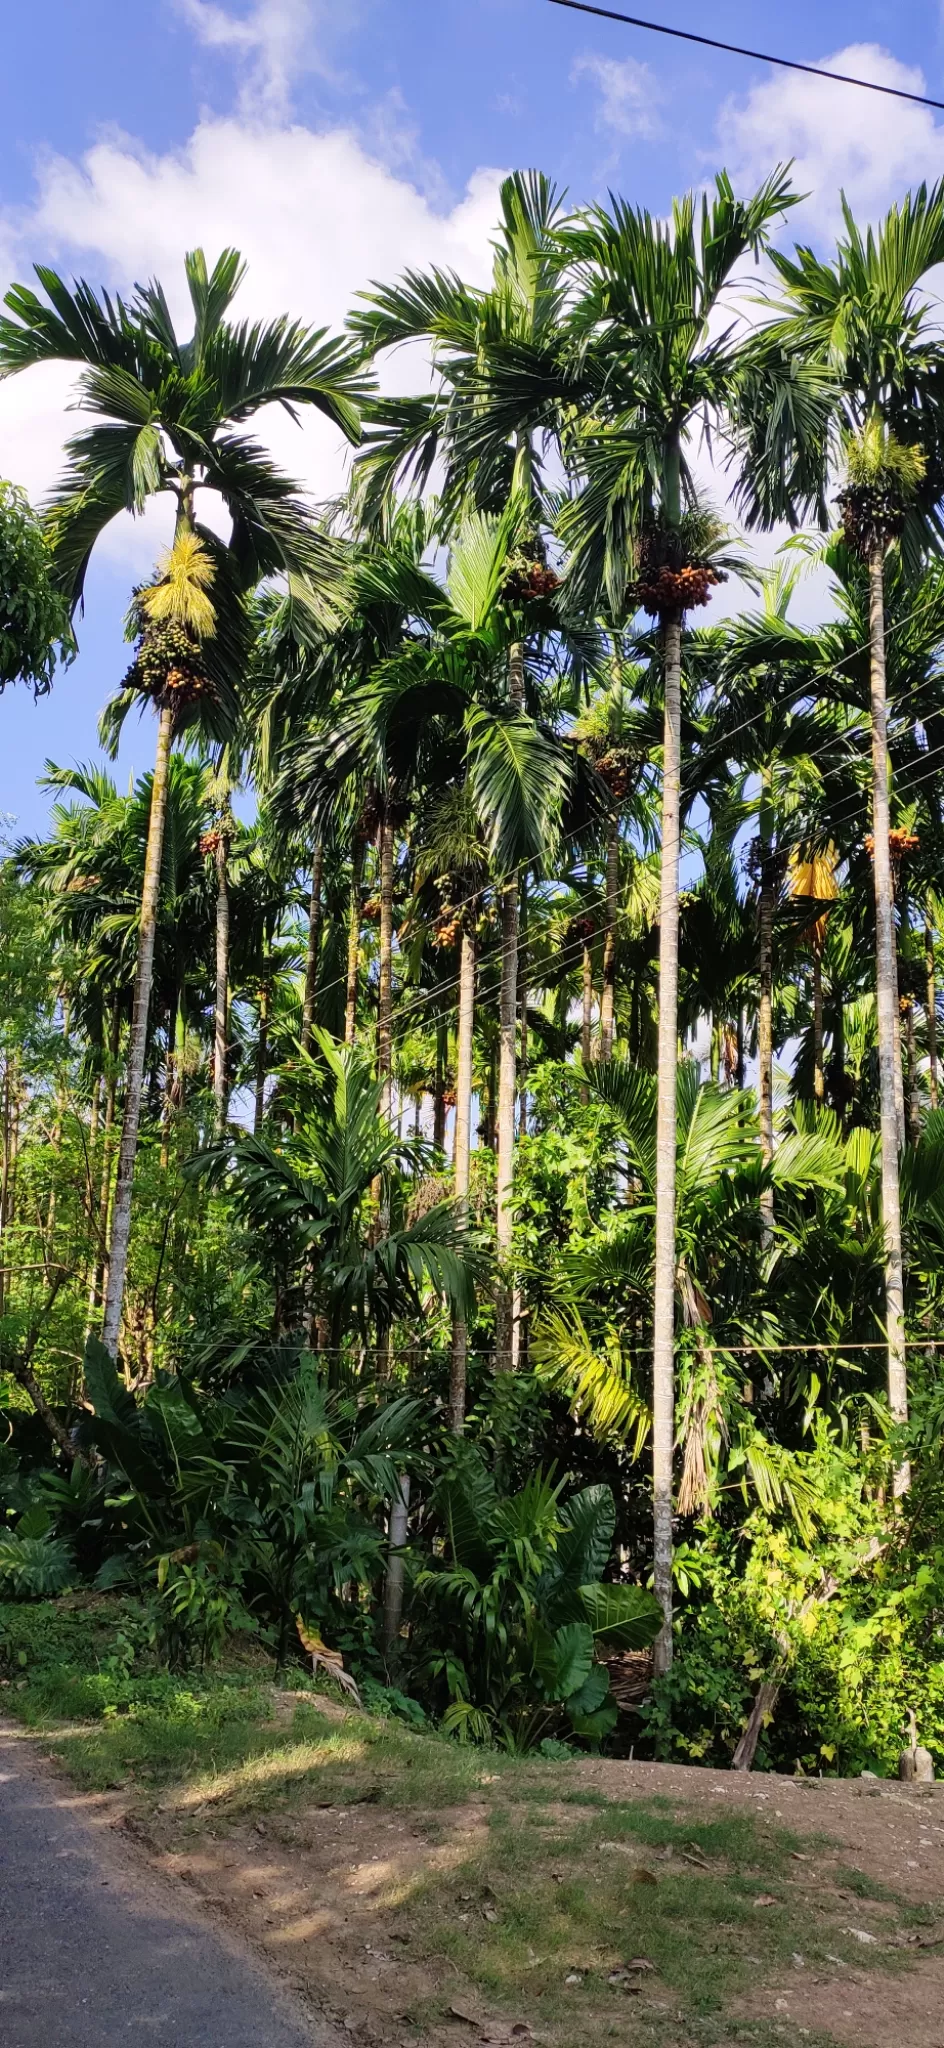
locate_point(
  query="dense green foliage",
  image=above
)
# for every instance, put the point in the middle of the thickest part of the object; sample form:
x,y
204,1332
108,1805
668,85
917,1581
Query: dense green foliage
x,y
384,1382
34,622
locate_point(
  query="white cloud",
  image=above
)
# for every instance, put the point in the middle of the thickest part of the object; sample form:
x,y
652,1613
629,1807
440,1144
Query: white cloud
x,y
316,218
275,42
628,95
839,138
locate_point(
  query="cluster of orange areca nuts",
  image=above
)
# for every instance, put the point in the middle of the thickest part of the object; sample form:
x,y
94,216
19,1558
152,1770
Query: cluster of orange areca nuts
x,y
900,842
676,590
618,768
527,581
447,927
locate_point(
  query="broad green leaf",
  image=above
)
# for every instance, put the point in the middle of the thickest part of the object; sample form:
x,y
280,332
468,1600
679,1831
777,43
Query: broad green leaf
x,y
591,1694
628,1617
110,1399
563,1660
594,1726
583,1548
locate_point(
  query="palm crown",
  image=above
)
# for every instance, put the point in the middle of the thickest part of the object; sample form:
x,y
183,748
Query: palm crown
x,y
853,341
171,413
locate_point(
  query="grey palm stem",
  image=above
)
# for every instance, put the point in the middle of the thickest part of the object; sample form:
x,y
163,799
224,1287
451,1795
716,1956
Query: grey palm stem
x,y
887,999
765,1026
385,979
462,1156
663,1339
608,997
353,940
931,1012
507,1079
314,944
221,1010
121,1215
393,1589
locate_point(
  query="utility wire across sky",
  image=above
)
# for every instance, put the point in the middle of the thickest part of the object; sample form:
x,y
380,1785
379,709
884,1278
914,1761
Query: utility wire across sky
x,y
689,35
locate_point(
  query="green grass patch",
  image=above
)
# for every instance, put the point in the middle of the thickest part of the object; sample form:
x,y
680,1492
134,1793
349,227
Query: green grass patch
x,y
551,1900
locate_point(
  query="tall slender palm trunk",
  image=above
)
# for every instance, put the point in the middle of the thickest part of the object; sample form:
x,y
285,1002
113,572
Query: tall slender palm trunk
x,y
507,1075
663,1336
221,1009
6,1171
897,939
819,1075
931,1011
397,1531
439,1087
586,1006
765,1023
837,1065
385,989
354,940
462,1153
62,1096
912,1120
523,1007
886,986
91,1187
100,1271
95,1117
608,996
314,946
262,1058
586,1014
121,1217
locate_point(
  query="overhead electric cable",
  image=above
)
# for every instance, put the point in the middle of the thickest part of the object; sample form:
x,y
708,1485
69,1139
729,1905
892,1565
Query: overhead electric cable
x,y
689,35
423,997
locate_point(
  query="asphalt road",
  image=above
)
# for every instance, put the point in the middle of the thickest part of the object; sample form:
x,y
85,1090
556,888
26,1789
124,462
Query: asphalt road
x,y
95,1952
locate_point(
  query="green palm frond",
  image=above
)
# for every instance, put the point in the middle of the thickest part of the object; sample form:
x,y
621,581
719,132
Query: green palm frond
x,y
210,295
629,1095
73,326
518,778
478,562
595,1376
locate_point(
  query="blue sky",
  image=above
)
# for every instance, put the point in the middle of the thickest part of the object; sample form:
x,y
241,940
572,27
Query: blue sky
x,y
334,140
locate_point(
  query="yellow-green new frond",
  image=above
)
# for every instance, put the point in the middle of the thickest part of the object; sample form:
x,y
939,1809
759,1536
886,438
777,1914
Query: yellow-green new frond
x,y
597,1380
876,454
179,594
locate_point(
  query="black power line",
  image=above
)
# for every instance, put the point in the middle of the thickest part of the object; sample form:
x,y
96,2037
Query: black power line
x,y
687,35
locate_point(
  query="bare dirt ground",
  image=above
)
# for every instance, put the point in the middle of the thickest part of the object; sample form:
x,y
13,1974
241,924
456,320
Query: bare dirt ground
x,y
337,1898
318,1892
893,1834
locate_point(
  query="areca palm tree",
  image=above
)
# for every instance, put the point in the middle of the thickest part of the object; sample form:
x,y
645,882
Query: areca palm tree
x,y
437,711
721,1172
169,415
92,865
794,745
222,780
860,329
648,295
490,441
312,1200
612,732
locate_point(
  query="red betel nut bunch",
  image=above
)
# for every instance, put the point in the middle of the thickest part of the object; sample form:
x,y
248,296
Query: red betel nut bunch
x,y
676,590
